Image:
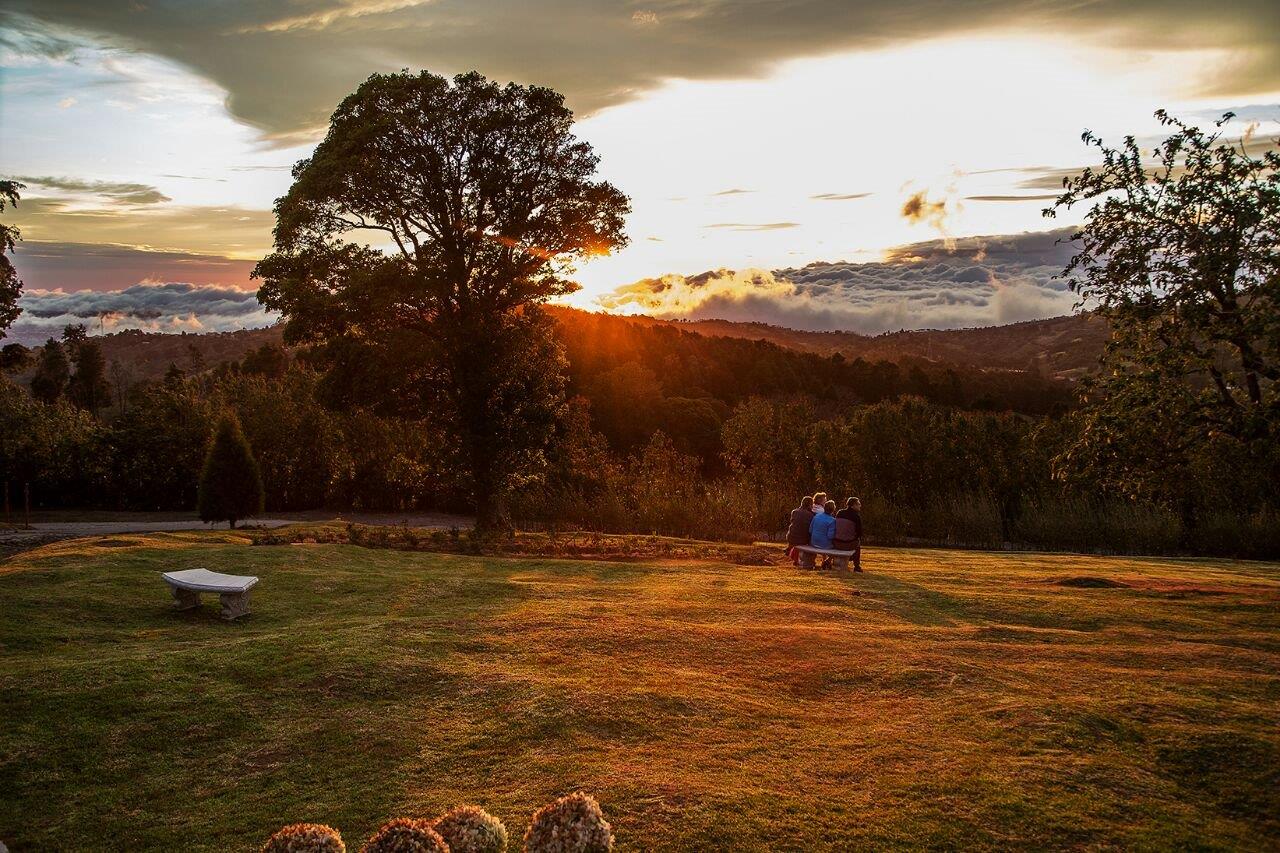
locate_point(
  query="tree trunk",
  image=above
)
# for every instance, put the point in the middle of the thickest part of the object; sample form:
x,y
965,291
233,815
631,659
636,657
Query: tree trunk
x,y
492,515
232,523
1190,522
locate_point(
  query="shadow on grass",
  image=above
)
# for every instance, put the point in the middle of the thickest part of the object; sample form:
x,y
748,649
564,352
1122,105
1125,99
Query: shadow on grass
x,y
985,605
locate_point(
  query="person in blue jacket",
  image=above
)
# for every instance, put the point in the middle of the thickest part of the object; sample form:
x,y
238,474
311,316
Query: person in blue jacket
x,y
822,530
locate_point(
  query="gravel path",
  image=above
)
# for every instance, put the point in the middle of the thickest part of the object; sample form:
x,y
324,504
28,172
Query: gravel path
x,y
48,531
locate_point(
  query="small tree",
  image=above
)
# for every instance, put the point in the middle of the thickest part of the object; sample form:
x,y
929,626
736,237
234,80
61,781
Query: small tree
x,y
14,358
88,388
230,484
52,372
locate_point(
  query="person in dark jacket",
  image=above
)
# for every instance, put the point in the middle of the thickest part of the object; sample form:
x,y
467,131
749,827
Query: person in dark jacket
x,y
849,534
798,529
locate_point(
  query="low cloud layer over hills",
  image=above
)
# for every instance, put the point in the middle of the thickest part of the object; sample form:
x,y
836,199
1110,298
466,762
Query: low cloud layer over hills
x,y
941,284
978,281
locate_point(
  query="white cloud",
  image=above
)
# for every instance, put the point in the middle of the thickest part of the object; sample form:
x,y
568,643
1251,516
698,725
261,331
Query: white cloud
x,y
151,306
939,284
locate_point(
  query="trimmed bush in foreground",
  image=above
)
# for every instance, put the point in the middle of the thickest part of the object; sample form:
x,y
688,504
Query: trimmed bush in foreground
x,y
305,838
405,835
471,829
572,824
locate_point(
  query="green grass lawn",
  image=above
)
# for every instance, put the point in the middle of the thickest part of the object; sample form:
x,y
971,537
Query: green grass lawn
x,y
956,699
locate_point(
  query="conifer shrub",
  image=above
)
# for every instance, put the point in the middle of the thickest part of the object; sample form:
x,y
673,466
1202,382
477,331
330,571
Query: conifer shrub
x,y
572,824
305,838
405,835
471,829
230,482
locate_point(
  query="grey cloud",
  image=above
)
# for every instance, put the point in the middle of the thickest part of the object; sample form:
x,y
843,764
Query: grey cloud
x,y
754,226
285,65
838,196
1051,177
209,230
1244,112
171,306
975,281
24,37
1010,197
144,300
1048,178
732,192
113,191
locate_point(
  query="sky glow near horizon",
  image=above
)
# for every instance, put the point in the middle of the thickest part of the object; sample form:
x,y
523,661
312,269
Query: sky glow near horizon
x,y
811,161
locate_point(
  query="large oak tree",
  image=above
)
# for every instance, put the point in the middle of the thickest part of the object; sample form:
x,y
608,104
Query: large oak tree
x,y
415,246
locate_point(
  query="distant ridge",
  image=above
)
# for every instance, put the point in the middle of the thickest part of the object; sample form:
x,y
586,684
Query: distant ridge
x,y
1062,347
1065,347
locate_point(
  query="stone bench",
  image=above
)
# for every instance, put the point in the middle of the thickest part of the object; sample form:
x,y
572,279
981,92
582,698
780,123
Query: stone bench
x,y
232,590
807,554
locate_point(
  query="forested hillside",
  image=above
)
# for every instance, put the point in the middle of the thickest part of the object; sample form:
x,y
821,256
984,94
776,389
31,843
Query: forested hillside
x,y
1065,347
729,361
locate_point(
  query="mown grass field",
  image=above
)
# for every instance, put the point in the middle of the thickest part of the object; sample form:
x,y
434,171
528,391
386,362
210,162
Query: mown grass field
x,y
949,699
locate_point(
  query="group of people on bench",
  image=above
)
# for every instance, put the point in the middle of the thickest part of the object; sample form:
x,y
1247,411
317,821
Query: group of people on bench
x,y
816,523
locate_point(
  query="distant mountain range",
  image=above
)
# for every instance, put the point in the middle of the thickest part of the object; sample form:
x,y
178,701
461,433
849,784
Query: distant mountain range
x,y
1061,347
1065,347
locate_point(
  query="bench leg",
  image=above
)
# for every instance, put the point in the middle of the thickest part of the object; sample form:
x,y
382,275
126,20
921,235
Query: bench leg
x,y
184,599
806,560
234,604
841,564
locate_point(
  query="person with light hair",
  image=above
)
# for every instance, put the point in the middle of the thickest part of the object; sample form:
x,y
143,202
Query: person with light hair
x,y
823,528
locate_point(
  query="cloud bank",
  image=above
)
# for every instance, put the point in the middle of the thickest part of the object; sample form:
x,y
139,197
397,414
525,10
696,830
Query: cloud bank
x,y
154,307
941,284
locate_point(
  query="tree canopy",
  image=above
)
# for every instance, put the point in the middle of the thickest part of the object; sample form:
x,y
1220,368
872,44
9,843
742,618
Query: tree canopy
x,y
1181,253
10,284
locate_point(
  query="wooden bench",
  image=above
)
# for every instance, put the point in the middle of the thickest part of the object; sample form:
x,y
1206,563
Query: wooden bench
x,y
232,590
807,554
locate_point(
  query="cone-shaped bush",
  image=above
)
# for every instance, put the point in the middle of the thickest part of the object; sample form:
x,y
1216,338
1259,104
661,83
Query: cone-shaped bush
x,y
471,829
572,824
405,835
230,484
305,838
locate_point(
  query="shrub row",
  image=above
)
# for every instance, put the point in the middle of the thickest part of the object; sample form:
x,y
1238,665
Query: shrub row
x,y
571,824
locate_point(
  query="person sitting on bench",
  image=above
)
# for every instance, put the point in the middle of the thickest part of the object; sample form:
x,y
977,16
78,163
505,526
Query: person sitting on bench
x,y
848,536
798,528
822,530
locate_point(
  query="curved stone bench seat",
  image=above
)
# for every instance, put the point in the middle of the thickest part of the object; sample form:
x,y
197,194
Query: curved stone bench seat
x,y
840,559
232,590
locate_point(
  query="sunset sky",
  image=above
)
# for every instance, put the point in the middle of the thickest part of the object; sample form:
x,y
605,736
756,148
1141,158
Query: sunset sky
x,y
902,146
